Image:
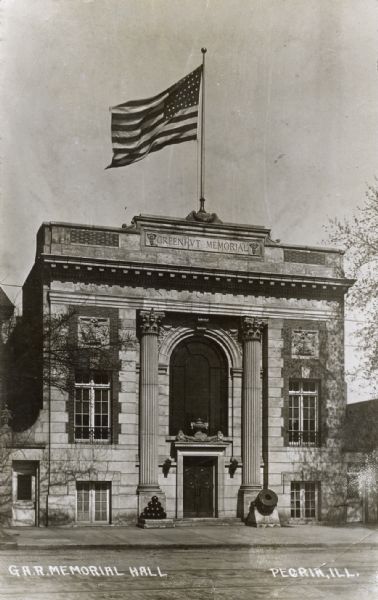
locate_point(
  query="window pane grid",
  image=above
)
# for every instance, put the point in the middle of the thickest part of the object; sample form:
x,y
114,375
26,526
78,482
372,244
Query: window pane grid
x,y
303,413
101,503
92,501
295,500
303,500
309,489
82,416
92,407
83,513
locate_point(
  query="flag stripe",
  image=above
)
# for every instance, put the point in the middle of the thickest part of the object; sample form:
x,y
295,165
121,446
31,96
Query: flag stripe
x,y
147,118
136,117
130,158
159,140
148,124
129,125
175,140
122,137
134,106
131,130
147,140
140,140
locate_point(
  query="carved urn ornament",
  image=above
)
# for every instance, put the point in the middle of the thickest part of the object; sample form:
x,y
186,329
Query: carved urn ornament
x,y
199,426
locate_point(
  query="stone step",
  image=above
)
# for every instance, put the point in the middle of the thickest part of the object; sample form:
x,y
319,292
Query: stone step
x,y
207,521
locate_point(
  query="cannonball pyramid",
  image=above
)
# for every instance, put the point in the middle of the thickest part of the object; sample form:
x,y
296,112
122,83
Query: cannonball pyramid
x,y
153,510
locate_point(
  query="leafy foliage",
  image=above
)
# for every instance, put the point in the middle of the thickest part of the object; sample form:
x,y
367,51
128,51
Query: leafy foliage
x,y
45,354
367,478
359,238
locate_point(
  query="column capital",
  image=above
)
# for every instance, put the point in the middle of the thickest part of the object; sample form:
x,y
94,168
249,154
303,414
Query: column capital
x,y
252,329
150,321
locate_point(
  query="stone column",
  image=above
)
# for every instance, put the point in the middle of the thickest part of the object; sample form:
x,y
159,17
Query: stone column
x,y
149,408
251,413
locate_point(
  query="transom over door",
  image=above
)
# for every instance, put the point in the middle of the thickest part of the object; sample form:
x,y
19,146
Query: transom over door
x,y
198,487
198,386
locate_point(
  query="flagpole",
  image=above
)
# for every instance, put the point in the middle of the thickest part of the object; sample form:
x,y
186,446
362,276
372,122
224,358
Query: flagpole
x,y
202,146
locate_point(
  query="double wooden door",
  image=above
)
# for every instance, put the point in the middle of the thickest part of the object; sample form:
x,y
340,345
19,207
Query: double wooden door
x,y
199,487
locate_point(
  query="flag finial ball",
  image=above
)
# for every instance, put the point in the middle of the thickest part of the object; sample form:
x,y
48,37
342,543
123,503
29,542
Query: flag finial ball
x,y
203,50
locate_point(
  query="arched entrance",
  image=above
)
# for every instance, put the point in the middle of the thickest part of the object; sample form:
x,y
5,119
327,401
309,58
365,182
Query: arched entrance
x,y
199,390
198,386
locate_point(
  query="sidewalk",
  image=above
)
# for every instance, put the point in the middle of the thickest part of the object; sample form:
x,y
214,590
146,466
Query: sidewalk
x,y
230,536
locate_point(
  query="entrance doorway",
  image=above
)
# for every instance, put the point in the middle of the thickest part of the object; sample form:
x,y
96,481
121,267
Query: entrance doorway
x,y
199,487
25,492
93,501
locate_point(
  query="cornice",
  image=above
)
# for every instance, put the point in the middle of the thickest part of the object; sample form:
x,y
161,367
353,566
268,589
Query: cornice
x,y
194,275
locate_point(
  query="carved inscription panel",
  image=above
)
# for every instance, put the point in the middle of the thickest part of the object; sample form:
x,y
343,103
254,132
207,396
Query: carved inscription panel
x,y
250,247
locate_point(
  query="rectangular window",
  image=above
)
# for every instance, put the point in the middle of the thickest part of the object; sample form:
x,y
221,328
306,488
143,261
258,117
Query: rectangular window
x,y
303,500
93,501
24,487
92,407
303,426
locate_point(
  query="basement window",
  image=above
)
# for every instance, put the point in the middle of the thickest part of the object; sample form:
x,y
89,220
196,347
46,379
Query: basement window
x,y
303,500
93,501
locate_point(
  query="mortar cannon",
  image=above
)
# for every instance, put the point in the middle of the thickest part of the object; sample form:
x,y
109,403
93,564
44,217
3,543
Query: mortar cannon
x,y
263,510
266,501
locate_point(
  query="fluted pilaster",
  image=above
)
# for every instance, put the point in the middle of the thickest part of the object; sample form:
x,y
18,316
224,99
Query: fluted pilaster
x,y
251,405
149,401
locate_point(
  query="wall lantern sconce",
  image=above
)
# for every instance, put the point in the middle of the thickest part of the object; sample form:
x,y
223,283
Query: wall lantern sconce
x,y
232,466
166,466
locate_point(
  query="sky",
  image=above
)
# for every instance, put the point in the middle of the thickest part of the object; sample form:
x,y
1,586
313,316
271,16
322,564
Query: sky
x,y
291,114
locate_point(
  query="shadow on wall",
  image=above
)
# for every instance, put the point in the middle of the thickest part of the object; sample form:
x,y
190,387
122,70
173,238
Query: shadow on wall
x,y
23,375
45,355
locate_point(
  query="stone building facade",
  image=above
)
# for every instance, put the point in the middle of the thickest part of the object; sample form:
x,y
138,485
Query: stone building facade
x,y
190,359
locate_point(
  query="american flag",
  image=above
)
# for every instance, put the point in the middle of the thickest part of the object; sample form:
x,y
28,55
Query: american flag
x,y
143,126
